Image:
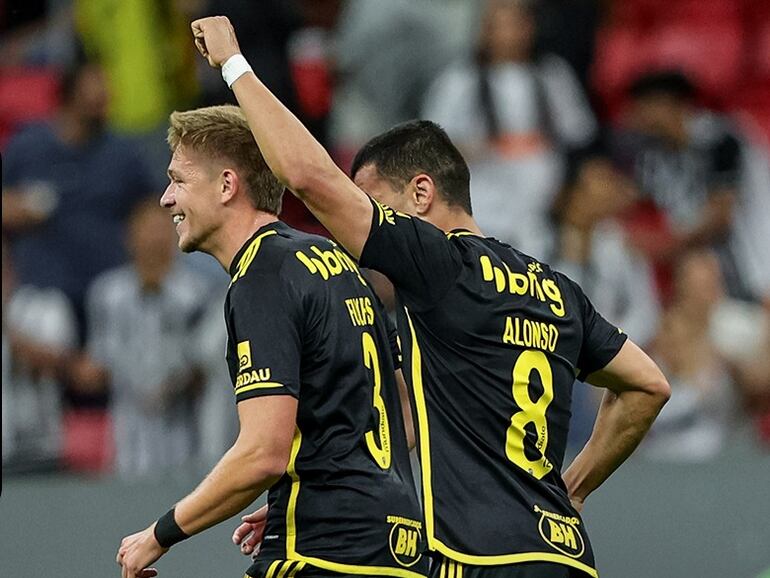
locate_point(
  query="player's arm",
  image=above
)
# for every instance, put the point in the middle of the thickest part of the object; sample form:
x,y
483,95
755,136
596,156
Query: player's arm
x,y
637,390
257,459
291,152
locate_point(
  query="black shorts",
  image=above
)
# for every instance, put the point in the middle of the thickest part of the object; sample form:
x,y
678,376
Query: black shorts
x,y
292,569
445,568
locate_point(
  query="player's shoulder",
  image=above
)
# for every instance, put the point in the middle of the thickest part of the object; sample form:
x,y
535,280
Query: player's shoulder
x,y
280,252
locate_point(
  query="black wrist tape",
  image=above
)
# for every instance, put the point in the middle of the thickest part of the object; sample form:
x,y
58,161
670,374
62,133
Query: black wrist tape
x,y
167,531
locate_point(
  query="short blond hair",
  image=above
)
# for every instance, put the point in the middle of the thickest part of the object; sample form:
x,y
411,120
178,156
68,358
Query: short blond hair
x,y
222,132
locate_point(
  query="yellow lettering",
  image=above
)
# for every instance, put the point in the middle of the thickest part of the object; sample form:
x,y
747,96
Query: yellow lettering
x,y
545,290
553,338
486,268
369,311
528,333
411,544
360,310
557,536
329,260
554,294
569,536
401,541
536,335
508,332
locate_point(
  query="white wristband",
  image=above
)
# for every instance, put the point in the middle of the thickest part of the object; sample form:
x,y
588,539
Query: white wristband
x,y
233,68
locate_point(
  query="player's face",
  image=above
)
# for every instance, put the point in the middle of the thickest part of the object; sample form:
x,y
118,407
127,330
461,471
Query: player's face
x,y
192,198
369,180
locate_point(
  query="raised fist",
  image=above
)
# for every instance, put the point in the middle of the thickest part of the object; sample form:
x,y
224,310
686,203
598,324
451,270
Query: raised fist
x,y
215,39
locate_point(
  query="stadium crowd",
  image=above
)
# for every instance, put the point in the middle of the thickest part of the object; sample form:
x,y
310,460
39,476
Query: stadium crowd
x,y
626,142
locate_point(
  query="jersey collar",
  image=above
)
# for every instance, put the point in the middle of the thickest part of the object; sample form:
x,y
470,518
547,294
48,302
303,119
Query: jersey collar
x,y
274,226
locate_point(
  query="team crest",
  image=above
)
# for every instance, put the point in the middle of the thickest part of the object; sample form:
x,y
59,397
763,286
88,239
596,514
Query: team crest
x,y
561,533
405,540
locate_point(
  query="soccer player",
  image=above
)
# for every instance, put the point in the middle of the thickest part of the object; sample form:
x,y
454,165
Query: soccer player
x,y
492,339
312,364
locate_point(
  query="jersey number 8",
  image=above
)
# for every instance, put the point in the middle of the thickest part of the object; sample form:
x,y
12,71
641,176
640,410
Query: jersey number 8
x,y
381,452
530,412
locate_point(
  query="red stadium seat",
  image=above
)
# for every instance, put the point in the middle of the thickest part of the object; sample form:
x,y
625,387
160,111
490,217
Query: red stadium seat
x,y
759,54
25,95
621,55
711,53
652,13
752,104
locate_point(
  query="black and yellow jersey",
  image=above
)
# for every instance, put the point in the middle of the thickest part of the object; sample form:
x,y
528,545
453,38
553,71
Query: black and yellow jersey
x,y
492,341
302,321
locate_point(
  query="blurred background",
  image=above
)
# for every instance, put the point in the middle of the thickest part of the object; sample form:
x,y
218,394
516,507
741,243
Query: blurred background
x,y
626,139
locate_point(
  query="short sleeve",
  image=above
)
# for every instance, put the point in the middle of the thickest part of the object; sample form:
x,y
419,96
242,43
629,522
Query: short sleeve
x,y
601,339
417,257
265,314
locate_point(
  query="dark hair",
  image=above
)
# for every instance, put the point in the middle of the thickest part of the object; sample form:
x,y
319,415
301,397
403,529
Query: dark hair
x,y
414,147
672,83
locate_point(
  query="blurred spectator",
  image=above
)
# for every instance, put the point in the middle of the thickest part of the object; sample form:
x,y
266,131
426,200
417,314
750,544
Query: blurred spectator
x,y
740,332
39,334
67,187
385,55
35,33
689,165
592,249
217,423
149,62
143,320
695,423
515,115
147,55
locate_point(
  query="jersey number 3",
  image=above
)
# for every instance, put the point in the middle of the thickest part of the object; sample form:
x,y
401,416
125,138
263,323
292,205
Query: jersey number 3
x,y
381,452
531,412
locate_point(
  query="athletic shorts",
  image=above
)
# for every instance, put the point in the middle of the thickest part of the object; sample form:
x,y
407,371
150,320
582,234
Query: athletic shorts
x,y
292,569
445,568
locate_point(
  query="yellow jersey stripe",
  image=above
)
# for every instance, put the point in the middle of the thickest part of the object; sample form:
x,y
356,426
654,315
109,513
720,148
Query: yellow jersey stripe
x,y
297,568
271,569
422,425
249,254
261,385
504,559
291,528
358,570
285,568
291,531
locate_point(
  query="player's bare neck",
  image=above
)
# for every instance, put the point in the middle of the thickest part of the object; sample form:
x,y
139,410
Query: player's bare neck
x,y
450,219
239,228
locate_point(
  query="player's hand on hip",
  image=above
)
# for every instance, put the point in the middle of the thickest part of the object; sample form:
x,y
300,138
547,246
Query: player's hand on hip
x,y
249,534
577,503
215,39
137,552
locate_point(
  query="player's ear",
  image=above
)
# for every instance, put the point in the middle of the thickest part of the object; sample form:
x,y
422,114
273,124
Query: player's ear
x,y
228,181
423,191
